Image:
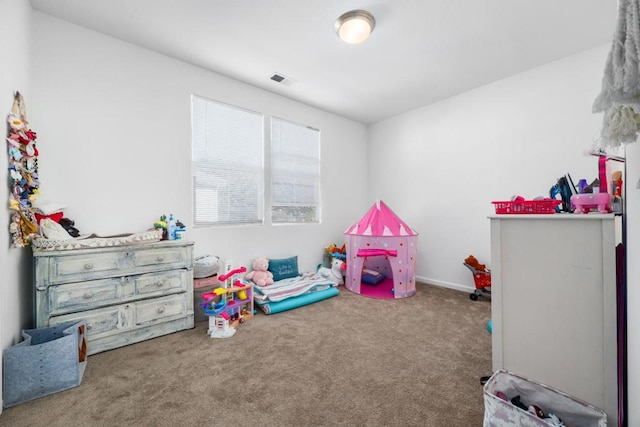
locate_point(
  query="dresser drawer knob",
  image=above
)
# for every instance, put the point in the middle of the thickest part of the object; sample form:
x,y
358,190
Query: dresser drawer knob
x,y
160,258
161,310
159,284
88,295
88,266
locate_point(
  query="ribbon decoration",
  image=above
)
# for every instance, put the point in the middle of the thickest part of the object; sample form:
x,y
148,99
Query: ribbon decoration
x,y
23,173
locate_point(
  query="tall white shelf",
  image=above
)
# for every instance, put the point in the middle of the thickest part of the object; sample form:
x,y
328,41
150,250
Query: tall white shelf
x,y
553,302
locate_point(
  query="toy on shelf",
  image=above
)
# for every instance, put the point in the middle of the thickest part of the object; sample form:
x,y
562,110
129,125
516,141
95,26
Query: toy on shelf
x,y
597,196
481,277
229,305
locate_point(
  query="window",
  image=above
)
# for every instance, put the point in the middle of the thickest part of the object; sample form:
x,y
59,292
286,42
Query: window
x,y
228,164
295,173
229,174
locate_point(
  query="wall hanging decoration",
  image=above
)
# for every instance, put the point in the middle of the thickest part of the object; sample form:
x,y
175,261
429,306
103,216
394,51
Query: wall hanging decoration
x,y
23,173
619,99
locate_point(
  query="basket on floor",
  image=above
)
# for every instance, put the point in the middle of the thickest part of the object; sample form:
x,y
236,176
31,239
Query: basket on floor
x,y
503,388
205,266
46,361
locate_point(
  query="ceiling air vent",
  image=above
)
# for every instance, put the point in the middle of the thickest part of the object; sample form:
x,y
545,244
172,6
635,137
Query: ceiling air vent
x,y
282,79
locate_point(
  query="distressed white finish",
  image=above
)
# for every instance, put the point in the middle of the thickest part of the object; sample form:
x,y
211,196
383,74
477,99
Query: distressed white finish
x,y
126,294
553,282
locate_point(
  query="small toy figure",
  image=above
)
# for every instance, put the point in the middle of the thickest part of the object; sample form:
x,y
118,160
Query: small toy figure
x,y
616,177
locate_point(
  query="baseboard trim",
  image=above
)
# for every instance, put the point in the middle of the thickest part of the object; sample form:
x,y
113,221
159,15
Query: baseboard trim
x,y
454,286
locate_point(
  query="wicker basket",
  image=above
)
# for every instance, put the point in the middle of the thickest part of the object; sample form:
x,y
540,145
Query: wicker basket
x,y
205,266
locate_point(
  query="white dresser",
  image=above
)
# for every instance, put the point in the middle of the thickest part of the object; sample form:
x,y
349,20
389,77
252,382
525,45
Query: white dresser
x,y
126,294
553,302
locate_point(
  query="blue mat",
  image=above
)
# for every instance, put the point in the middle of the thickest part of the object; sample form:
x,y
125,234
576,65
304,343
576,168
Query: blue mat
x,y
299,301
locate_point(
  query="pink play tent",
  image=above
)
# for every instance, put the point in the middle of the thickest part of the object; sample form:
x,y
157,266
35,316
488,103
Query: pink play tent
x,y
381,244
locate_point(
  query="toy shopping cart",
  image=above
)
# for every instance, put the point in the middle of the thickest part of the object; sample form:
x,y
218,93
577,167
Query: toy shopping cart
x,y
481,277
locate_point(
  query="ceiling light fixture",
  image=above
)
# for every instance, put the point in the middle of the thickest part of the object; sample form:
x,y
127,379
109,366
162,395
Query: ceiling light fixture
x,y
355,26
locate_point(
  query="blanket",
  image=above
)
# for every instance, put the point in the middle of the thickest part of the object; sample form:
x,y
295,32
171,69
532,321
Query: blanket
x,y
292,287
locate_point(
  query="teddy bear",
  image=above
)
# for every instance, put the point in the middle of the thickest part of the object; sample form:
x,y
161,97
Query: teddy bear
x,y
260,275
473,262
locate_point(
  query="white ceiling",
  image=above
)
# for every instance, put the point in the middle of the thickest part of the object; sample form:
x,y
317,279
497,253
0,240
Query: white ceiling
x,y
421,51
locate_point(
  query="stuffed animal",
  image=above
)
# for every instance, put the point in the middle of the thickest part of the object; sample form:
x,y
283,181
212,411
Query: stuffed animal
x,y
473,262
260,275
333,274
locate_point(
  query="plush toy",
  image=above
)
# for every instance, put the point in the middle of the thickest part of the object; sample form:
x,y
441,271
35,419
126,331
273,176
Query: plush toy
x,y
260,275
333,274
473,262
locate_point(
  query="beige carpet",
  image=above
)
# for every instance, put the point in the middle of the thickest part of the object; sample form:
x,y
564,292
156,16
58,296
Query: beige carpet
x,y
345,361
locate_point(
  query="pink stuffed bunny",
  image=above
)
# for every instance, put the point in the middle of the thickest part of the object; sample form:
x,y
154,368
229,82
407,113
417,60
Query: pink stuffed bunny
x,y
260,275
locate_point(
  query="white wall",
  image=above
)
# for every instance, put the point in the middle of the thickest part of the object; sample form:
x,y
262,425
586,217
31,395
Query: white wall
x,y
114,120
15,264
440,166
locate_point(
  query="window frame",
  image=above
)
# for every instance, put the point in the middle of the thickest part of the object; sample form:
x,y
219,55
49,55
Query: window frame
x,y
265,191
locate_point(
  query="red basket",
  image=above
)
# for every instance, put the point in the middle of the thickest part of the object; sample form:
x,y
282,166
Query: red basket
x,y
546,206
482,281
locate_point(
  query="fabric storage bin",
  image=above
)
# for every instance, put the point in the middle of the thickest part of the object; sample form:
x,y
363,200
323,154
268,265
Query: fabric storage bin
x,y
48,360
205,266
501,413
202,286
198,310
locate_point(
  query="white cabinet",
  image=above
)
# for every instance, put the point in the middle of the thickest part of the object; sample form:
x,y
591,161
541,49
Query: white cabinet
x,y
553,303
126,294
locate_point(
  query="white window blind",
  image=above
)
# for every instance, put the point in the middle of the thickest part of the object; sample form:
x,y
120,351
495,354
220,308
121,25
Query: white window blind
x,y
295,173
227,164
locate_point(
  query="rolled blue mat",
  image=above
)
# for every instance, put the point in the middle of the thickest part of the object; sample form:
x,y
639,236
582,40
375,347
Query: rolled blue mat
x,y
301,300
490,326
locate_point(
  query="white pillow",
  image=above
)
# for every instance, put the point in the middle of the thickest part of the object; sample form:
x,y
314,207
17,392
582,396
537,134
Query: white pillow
x,y
54,231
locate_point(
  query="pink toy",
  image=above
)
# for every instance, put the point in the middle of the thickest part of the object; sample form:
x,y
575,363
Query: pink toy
x,y
583,203
382,242
232,273
260,275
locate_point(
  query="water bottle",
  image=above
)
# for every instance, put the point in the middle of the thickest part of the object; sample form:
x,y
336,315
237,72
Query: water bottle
x,y
171,228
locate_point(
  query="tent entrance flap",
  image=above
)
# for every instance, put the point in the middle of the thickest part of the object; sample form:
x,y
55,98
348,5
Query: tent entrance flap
x,y
376,252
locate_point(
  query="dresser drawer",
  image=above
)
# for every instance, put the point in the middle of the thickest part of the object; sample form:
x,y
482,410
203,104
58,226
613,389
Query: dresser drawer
x,y
101,321
91,294
159,309
73,268
109,320
161,283
167,257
